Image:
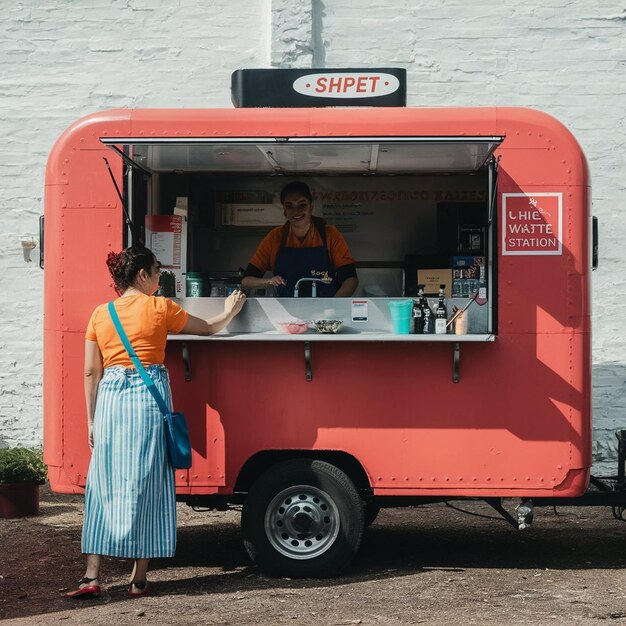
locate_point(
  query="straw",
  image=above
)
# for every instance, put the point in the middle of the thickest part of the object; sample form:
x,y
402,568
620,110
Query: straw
x,y
459,311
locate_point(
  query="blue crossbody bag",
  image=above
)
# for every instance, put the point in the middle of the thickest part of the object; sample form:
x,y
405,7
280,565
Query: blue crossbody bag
x,y
176,432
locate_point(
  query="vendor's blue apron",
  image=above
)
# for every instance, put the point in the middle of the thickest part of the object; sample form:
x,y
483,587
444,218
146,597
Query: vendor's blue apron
x,y
296,263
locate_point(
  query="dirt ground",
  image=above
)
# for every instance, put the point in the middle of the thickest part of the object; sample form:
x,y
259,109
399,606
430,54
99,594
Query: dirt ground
x,y
423,565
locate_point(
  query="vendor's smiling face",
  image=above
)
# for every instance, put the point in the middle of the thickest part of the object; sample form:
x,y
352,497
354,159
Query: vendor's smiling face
x,y
297,209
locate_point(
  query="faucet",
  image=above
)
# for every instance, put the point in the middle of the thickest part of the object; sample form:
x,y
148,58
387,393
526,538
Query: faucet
x,y
313,286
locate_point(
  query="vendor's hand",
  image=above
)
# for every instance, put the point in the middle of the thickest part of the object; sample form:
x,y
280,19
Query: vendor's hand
x,y
276,281
234,302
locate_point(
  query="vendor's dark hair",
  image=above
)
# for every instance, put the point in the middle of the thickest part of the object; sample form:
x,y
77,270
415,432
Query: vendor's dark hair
x,y
296,187
125,265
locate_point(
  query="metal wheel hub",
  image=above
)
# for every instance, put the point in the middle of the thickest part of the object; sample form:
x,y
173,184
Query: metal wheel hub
x,y
302,522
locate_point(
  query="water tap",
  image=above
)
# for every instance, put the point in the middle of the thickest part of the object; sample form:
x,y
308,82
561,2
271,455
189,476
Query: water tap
x,y
313,282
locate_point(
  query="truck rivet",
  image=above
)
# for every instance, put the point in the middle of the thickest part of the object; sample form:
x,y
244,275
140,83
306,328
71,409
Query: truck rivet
x,y
488,478
559,467
379,477
406,478
527,477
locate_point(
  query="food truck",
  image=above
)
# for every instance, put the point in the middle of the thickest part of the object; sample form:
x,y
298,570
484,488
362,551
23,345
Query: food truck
x,y
314,431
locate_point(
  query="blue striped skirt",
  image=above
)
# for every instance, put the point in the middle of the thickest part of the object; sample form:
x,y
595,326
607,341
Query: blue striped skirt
x,y
130,497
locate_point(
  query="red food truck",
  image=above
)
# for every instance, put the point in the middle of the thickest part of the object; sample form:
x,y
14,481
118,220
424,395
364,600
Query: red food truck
x,y
314,432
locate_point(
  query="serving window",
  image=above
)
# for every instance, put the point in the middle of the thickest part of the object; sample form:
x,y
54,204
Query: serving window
x,y
413,210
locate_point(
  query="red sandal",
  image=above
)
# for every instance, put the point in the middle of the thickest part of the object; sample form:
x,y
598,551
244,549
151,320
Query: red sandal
x,y
88,591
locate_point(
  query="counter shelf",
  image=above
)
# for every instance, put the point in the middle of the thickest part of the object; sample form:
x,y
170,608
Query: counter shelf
x,y
312,335
259,319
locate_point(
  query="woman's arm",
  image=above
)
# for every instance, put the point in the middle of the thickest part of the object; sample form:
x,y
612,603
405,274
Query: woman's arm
x,y
93,374
197,326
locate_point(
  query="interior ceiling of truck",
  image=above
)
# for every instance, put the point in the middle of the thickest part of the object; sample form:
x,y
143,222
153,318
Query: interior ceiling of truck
x,y
321,156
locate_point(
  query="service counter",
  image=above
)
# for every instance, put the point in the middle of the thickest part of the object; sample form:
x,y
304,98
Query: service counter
x,y
364,319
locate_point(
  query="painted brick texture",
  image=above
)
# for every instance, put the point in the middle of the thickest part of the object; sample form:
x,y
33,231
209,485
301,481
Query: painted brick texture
x,y
62,59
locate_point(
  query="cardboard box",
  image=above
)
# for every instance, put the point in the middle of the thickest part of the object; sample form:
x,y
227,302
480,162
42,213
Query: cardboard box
x,y
432,278
167,238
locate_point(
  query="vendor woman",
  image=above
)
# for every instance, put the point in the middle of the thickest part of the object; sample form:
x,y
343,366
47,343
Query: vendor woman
x,y
304,247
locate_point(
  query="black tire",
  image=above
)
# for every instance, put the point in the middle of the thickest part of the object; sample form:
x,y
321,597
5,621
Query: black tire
x,y
302,518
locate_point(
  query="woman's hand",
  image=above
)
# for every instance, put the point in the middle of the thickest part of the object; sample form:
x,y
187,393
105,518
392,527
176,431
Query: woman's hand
x,y
234,303
90,438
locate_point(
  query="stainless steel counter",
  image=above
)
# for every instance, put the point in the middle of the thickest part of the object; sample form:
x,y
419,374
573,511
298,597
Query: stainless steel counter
x,y
261,317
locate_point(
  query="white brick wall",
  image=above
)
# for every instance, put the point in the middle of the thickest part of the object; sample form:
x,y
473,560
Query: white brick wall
x,y
64,58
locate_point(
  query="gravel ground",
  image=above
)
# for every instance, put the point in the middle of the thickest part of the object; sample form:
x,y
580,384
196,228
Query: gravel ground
x,y
419,565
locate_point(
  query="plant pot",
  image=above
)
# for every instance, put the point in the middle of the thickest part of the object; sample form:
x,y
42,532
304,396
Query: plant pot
x,y
19,499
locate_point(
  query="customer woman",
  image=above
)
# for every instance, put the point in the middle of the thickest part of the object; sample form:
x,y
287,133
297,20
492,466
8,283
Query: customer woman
x,y
130,499
304,247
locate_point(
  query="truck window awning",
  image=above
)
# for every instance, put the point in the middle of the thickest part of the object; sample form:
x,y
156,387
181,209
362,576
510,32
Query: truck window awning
x,y
299,155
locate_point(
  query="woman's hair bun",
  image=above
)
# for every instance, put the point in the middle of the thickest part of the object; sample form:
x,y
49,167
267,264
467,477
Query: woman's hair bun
x,y
125,265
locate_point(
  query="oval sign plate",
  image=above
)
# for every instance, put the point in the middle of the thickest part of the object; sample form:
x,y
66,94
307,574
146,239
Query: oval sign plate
x,y
346,85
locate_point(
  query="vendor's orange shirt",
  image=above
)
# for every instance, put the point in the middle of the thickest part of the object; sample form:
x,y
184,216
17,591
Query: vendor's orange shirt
x,y
146,320
264,258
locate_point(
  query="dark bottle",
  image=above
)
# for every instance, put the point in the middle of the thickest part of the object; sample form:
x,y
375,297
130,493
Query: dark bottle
x,y
427,315
418,313
441,313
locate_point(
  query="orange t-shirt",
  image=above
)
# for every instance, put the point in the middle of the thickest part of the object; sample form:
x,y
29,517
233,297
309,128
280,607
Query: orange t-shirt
x,y
146,320
264,258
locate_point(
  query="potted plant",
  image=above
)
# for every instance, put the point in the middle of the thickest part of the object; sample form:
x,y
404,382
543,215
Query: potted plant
x,y
22,471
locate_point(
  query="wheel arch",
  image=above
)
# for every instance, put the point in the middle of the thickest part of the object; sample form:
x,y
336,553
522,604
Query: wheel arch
x,y
263,460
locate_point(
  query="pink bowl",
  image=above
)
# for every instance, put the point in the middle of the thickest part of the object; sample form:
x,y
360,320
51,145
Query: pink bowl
x,y
294,327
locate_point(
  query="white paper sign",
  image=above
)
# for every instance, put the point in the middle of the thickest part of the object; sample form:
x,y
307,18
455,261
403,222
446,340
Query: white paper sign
x,y
359,310
162,244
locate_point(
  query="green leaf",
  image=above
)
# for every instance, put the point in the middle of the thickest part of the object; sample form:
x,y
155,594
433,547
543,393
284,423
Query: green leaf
x,y
21,465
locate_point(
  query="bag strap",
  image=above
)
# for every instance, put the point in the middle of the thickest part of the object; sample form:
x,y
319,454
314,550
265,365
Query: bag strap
x,y
133,357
